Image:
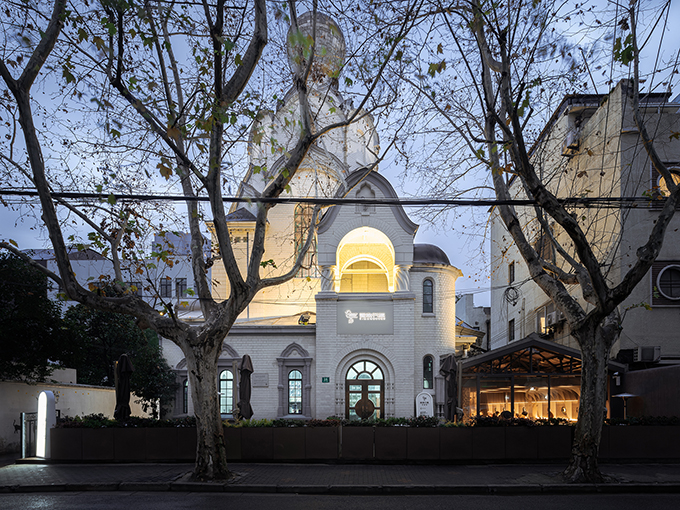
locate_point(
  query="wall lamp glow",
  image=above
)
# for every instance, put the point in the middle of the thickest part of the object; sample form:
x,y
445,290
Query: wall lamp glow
x,y
47,419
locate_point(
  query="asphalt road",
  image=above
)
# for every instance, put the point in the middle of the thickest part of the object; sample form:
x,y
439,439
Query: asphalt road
x,y
179,500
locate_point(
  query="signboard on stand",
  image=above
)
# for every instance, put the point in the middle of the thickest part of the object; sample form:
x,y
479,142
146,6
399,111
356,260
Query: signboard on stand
x,y
424,406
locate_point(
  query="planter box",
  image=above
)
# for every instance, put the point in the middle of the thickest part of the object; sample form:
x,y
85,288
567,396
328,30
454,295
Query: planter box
x,y
390,443
98,444
357,443
554,442
643,442
455,443
423,444
66,444
363,443
603,452
322,443
521,442
232,439
130,444
257,443
289,443
488,443
161,443
186,444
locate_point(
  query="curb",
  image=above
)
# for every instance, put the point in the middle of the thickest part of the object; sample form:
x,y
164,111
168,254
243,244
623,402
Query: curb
x,y
352,490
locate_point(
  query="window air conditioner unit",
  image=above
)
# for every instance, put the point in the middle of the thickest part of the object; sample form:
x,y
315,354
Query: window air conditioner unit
x,y
648,353
551,318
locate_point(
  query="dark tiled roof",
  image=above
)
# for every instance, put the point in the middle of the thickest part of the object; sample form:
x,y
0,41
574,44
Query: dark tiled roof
x,y
429,254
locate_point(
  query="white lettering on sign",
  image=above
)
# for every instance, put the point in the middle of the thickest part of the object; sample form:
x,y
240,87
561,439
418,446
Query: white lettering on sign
x,y
364,316
350,316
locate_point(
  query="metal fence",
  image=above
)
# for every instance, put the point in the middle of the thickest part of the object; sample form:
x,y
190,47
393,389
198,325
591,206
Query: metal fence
x,y
29,426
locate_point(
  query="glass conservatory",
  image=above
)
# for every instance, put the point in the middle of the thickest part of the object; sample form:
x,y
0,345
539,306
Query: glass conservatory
x,y
531,378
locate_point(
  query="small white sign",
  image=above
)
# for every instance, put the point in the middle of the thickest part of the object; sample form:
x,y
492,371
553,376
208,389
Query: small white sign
x,y
424,406
260,380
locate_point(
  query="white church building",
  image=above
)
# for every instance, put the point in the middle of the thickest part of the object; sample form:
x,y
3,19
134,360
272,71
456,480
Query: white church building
x,y
370,315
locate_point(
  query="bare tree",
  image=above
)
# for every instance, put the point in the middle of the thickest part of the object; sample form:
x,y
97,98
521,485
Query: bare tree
x,y
179,83
499,72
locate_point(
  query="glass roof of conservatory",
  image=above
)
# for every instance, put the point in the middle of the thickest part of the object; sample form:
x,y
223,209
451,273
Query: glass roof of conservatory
x,y
531,355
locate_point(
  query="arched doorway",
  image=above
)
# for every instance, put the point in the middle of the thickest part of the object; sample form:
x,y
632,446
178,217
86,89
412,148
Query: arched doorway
x,y
364,380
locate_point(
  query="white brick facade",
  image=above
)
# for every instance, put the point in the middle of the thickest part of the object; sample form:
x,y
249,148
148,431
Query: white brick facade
x,y
323,352
364,262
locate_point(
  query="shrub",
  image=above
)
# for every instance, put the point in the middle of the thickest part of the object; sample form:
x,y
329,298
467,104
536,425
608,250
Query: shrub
x,y
98,421
644,420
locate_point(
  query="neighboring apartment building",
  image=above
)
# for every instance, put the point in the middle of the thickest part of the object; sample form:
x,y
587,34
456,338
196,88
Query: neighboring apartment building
x,y
591,147
367,320
473,317
160,282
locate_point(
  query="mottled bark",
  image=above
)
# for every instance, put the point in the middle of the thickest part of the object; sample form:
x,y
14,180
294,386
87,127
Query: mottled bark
x,y
211,453
596,327
595,343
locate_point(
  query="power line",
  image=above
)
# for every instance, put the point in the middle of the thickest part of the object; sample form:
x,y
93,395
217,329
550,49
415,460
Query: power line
x,y
602,202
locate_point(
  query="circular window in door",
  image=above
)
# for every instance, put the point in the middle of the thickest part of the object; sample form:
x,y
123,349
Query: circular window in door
x,y
364,385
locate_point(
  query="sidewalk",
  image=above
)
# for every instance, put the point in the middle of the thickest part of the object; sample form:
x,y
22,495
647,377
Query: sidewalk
x,y
338,478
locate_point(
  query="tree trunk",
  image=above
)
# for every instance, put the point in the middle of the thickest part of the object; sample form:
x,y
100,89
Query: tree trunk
x,y
595,343
211,453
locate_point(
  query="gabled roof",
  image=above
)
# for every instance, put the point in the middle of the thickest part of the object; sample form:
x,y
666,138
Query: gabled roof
x,y
241,214
531,354
367,175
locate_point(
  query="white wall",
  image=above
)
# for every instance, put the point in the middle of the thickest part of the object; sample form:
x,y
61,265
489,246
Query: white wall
x,y
71,400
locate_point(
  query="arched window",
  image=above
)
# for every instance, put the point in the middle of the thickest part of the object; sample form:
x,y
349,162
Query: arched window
x,y
428,296
428,372
303,223
295,383
295,392
364,382
185,397
226,392
364,276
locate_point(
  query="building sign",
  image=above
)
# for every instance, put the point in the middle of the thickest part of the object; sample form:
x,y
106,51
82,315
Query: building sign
x,y
365,318
424,405
325,379
260,380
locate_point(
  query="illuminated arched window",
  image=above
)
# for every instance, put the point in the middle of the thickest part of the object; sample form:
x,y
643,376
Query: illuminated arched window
x,y
185,397
428,372
226,392
364,381
428,296
295,392
303,222
364,276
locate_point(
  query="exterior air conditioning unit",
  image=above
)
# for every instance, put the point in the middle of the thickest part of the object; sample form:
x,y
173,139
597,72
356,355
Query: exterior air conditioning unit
x,y
648,353
551,318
